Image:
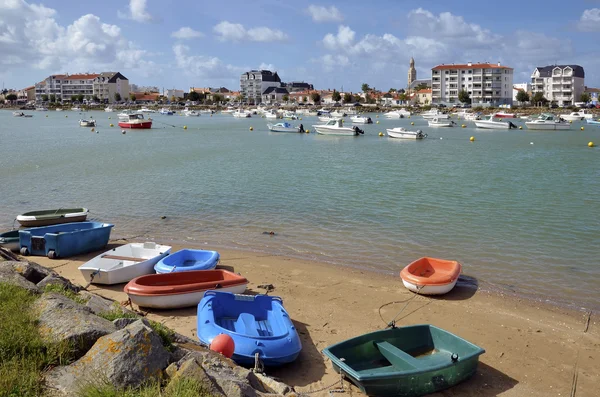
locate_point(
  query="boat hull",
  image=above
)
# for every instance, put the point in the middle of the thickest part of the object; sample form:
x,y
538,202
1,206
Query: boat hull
x,y
405,134
548,126
52,217
335,131
431,276
188,260
10,240
494,125
133,126
590,121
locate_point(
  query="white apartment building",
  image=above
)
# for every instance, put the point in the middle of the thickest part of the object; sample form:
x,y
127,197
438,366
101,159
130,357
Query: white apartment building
x,y
561,83
487,84
172,92
64,86
255,82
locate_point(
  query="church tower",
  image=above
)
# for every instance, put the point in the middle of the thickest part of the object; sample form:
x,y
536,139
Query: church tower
x,y
412,72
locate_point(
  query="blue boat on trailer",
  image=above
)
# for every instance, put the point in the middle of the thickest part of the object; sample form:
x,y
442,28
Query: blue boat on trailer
x,y
188,259
258,324
64,240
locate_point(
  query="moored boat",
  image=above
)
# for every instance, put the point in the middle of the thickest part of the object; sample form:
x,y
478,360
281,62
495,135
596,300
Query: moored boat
x,y
187,260
547,121
124,263
490,123
397,114
241,114
258,324
136,121
573,116
400,132
361,120
10,240
336,127
504,115
285,127
592,121
435,122
166,112
109,109
181,289
434,113
87,123
52,217
431,276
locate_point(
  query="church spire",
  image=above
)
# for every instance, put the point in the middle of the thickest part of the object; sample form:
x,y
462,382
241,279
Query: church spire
x,y
412,72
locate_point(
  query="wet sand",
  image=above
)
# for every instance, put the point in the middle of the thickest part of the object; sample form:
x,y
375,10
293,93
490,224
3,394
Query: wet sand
x,y
532,349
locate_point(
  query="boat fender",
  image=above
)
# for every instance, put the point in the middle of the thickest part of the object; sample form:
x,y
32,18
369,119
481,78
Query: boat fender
x,y
454,357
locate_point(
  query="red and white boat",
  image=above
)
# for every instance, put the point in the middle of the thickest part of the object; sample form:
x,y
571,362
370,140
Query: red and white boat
x,y
503,115
135,120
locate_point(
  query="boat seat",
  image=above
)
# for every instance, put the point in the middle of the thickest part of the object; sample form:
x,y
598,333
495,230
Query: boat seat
x,y
246,324
124,258
397,357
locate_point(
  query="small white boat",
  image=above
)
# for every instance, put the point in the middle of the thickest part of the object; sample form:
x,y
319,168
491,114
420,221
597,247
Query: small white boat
x,y
336,127
586,113
504,115
326,117
400,132
241,114
547,122
573,116
41,109
494,125
285,127
76,109
190,113
207,111
337,113
108,109
147,110
125,114
436,122
397,114
124,263
59,109
228,110
592,121
87,123
290,116
166,112
434,113
472,116
18,114
271,114
361,120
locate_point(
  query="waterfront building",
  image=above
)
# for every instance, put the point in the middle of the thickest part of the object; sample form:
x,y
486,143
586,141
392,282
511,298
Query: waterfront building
x,y
64,86
421,97
487,84
593,93
412,72
254,83
172,92
562,84
297,86
274,95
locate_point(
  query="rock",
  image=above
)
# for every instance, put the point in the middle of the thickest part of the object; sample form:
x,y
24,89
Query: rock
x,y
30,270
62,319
99,304
272,385
12,277
125,358
56,280
234,381
191,369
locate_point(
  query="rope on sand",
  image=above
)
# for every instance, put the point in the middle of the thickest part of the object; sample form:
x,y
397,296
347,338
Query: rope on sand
x,y
576,367
392,324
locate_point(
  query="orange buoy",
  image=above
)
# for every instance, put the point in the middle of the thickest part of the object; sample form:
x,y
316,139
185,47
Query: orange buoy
x,y
223,344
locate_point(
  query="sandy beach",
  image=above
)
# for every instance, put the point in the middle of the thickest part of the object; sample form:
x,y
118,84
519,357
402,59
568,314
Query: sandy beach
x,y
532,349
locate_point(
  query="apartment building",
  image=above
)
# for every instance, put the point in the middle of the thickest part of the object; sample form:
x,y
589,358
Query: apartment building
x,y
64,86
563,84
487,84
255,82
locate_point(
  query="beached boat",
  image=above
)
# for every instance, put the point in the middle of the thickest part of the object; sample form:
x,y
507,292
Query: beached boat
x,y
435,122
258,324
490,123
188,260
285,127
181,289
10,240
136,121
124,263
336,127
547,122
87,123
400,132
407,361
52,217
361,120
431,276
573,116
504,115
67,239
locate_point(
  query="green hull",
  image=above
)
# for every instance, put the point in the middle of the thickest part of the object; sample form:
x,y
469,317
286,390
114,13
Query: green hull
x,y
10,240
407,361
52,217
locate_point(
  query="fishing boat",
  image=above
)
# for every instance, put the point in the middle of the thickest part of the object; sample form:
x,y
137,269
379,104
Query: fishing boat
x,y
67,239
431,276
336,127
547,121
407,361
504,115
400,132
10,240
181,289
188,260
52,217
285,127
436,122
124,263
490,123
361,120
592,121
136,121
259,325
87,123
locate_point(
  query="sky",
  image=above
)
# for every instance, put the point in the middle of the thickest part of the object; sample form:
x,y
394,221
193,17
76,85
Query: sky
x,y
332,44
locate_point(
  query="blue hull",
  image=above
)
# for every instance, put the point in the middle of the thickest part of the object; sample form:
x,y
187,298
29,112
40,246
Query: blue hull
x,y
186,260
257,324
65,240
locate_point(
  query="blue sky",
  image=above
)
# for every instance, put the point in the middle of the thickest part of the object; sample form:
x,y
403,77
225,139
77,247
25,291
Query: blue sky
x,y
331,44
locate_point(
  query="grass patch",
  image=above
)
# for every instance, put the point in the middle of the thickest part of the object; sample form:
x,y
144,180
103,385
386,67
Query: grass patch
x,y
23,353
59,289
180,387
116,313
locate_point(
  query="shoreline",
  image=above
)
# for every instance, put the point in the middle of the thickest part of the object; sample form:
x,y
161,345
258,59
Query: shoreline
x,y
531,347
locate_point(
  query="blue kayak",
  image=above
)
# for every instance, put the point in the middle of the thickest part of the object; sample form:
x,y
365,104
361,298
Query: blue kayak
x,y
256,323
187,259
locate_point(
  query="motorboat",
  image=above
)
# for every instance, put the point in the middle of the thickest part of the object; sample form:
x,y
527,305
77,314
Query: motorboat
x,y
431,276
18,114
76,109
190,113
186,260
290,116
228,110
397,114
207,111
592,121
361,120
472,116
41,109
326,117
490,123
52,217
400,132
87,123
285,127
10,240
336,127
126,113
241,114
136,121
259,325
166,112
434,113
271,114
123,264
337,113
436,122
504,115
547,121
573,116
147,110
108,109
59,109
586,113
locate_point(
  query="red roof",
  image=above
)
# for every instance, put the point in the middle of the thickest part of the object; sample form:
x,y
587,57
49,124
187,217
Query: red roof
x,y
472,66
81,76
424,91
140,96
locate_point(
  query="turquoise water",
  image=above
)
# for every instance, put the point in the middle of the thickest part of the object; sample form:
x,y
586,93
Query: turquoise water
x,y
518,215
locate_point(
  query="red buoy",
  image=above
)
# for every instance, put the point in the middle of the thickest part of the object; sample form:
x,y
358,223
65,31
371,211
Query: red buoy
x,y
223,344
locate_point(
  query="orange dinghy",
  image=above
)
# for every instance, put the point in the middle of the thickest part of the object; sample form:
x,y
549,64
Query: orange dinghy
x,y
431,276
181,289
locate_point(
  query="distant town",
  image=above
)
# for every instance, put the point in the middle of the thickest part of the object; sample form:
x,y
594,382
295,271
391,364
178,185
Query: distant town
x,y
470,84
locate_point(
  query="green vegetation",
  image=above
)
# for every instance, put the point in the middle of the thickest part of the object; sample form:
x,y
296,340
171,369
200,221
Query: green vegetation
x,y
180,387
585,97
522,96
194,96
464,96
116,313
336,96
421,86
132,97
285,98
365,88
166,334
80,98
347,97
316,97
23,354
44,98
59,289
11,97
538,98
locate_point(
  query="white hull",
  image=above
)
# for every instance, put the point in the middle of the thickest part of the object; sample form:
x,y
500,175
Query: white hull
x,y
361,120
439,123
492,125
548,126
397,115
325,118
110,271
328,131
571,118
430,289
405,134
277,128
176,301
590,121
241,115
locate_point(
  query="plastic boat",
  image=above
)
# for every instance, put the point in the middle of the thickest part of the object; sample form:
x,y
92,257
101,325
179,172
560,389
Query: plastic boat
x,y
258,324
336,127
124,263
592,121
436,122
503,115
408,361
547,121
400,132
136,120
61,241
181,289
10,240
285,127
87,123
490,123
361,120
52,217
431,276
186,260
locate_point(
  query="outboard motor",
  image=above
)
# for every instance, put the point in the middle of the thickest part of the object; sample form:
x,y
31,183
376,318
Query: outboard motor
x,y
358,130
511,125
369,121
301,128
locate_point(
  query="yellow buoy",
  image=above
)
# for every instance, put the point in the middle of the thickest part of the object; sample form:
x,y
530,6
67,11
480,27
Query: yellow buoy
x,y
251,128
377,122
308,131
185,127
112,125
412,123
582,128
570,121
463,126
409,117
591,144
380,133
520,127
472,139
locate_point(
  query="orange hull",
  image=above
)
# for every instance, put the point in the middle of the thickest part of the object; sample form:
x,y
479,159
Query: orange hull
x,y
431,272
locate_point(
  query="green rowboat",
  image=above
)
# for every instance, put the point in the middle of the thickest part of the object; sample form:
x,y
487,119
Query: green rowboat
x,y
408,361
10,240
52,217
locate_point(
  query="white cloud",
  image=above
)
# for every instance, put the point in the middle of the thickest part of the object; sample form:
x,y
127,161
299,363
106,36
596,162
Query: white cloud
x,y
137,11
186,32
343,38
324,14
590,20
204,67
266,66
227,31
332,62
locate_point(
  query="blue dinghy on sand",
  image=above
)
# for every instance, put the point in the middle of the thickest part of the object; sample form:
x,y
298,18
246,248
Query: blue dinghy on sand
x,y
256,323
186,260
